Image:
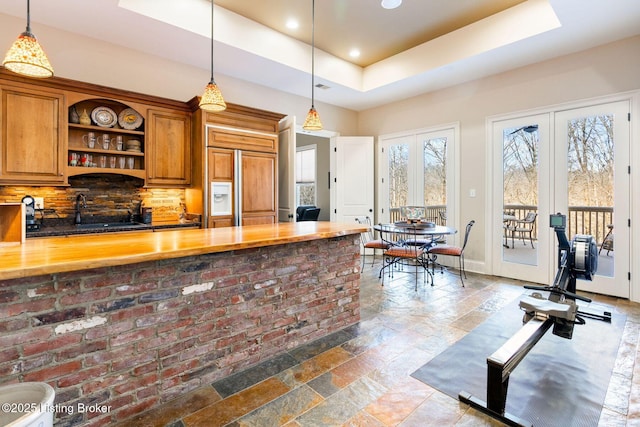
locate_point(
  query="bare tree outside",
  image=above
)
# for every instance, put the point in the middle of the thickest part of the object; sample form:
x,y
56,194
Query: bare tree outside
x,y
590,168
591,161
520,166
434,152
398,175
435,171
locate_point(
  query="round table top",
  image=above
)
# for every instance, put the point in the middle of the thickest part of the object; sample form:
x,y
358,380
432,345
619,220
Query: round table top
x,y
418,228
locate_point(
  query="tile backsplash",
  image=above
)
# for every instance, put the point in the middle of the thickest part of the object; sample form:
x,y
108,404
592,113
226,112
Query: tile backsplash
x,y
107,196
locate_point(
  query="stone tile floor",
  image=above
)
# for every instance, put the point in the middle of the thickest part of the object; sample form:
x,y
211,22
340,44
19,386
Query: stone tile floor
x,y
360,376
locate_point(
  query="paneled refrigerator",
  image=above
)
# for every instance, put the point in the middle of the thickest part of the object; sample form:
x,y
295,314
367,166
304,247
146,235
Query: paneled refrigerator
x,y
241,187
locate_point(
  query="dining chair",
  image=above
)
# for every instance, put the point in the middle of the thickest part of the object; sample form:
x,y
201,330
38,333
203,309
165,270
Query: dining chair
x,y
451,250
369,241
400,254
443,216
524,227
607,243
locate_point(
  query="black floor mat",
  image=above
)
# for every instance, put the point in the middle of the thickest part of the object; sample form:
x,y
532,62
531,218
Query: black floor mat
x,y
559,383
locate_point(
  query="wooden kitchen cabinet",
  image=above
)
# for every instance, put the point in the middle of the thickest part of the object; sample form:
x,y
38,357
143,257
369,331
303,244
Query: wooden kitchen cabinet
x,y
33,135
259,203
168,148
220,164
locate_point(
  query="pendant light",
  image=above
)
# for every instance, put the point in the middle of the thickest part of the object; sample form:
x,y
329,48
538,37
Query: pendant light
x,y
25,56
312,122
212,99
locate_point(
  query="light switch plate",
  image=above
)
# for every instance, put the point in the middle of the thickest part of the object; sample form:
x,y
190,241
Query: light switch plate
x,y
39,202
472,192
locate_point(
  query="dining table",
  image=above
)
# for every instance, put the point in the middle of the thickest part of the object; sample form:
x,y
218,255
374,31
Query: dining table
x,y
423,229
419,234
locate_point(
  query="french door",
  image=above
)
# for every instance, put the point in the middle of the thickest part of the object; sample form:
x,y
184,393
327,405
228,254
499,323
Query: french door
x,y
593,186
419,169
573,161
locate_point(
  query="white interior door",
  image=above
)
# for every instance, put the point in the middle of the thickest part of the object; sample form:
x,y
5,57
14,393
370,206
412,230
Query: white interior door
x,y
286,170
354,181
593,186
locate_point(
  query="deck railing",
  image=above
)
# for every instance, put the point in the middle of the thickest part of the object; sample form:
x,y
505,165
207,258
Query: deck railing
x,y
590,220
580,219
435,213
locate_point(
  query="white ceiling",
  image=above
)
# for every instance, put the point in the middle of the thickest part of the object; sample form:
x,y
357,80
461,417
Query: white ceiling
x,y
423,45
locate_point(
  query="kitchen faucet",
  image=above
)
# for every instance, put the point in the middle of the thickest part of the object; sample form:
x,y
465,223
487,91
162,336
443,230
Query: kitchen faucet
x,y
81,202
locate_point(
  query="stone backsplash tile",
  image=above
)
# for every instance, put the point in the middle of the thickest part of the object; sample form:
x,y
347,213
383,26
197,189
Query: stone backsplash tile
x,y
107,196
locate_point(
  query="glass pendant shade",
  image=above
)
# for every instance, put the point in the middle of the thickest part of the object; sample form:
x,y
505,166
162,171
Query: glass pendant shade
x,y
312,122
212,99
26,57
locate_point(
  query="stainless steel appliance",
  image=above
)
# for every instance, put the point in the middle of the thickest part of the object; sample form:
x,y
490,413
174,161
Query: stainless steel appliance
x,y
30,213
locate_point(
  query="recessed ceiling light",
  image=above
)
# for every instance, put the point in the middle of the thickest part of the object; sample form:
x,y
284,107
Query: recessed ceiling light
x,y
354,53
391,4
292,24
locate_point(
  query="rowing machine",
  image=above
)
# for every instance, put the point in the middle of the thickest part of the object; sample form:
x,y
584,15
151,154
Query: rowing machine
x,y
577,259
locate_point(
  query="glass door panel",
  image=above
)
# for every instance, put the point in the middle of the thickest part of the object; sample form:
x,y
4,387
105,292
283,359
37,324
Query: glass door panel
x,y
593,158
521,184
434,153
398,178
520,148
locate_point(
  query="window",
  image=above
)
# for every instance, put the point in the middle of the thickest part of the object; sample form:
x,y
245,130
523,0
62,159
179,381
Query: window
x,y
418,170
306,175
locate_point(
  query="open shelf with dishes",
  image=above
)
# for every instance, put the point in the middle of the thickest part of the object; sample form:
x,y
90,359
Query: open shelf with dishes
x,y
105,136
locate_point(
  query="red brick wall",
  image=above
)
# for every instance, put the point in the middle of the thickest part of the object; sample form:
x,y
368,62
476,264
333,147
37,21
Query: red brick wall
x,y
134,336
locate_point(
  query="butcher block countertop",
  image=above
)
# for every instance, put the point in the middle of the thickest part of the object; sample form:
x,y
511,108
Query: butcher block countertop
x,y
62,254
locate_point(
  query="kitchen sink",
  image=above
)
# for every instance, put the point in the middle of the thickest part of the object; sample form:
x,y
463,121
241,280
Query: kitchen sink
x,y
102,225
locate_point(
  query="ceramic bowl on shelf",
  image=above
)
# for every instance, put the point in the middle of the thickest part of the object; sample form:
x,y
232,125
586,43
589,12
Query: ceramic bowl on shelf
x,y
133,145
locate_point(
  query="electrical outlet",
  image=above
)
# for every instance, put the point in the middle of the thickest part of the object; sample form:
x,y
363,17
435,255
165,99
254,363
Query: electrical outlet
x,y
39,202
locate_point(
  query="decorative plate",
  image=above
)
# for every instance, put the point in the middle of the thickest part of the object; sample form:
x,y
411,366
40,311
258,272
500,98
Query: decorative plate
x,y
129,119
104,117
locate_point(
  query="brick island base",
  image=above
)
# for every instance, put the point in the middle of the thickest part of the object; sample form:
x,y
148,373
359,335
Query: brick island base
x,y
130,337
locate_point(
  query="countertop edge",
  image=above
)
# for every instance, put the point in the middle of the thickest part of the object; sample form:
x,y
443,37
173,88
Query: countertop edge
x,y
45,256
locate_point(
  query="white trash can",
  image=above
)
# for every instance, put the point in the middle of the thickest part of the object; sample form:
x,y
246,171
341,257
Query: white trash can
x,y
26,405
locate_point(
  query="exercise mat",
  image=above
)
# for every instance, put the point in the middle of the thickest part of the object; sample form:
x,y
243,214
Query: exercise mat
x,y
560,382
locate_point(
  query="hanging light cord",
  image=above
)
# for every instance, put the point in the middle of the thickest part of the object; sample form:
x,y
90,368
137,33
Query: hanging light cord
x,y
211,41
313,48
29,18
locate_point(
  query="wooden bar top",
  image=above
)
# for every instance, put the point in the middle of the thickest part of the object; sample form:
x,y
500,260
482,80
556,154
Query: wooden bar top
x,y
61,254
